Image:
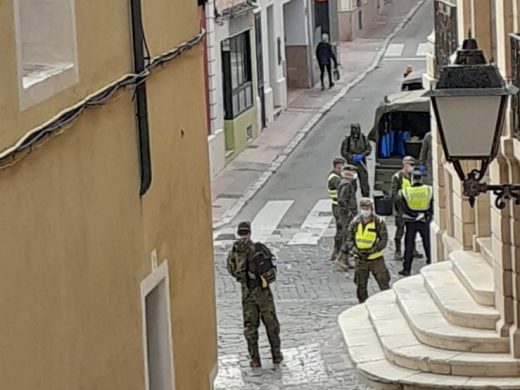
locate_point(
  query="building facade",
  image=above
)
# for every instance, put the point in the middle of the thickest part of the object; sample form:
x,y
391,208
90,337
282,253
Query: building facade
x,y
355,16
107,275
456,325
256,52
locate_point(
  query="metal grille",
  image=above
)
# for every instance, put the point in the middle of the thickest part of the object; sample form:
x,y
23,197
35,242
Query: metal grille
x,y
446,40
515,73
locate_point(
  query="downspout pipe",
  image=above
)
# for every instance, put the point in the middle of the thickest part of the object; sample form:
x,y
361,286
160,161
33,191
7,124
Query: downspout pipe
x,y
140,98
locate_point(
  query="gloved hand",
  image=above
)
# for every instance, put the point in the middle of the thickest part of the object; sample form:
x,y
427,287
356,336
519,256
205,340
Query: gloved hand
x,y
357,158
422,168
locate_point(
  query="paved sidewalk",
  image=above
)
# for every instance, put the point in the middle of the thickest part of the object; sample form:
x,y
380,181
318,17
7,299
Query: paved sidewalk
x,y
245,175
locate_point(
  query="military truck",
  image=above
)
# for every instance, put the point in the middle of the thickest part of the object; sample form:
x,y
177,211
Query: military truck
x,y
401,122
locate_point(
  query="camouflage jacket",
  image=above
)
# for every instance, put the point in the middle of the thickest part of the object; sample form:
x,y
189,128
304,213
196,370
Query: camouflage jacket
x,y
351,146
347,196
350,238
237,260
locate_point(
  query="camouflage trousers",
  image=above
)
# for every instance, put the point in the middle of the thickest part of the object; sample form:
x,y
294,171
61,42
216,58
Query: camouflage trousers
x,y
363,269
345,218
399,232
258,304
338,238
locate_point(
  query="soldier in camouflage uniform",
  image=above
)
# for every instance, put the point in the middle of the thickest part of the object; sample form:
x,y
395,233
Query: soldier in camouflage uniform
x,y
257,301
347,204
333,182
367,236
355,149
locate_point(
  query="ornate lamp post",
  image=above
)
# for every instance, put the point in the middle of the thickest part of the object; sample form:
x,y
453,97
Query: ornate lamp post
x,y
470,102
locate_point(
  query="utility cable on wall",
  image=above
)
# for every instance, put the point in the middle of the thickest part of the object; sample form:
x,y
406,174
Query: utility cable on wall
x,y
60,122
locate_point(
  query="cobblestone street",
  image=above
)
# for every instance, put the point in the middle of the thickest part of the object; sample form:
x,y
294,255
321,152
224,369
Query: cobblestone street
x,y
310,294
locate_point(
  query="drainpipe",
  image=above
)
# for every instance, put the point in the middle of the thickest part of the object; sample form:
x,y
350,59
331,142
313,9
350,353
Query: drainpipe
x,y
140,98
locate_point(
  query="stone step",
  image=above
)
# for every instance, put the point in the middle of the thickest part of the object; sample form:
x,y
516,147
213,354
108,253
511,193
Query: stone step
x,y
432,328
486,248
368,357
476,274
402,348
454,300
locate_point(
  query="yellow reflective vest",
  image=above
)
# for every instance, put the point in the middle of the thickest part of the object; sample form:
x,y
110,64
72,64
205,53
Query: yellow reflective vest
x,y
418,198
406,183
366,237
333,193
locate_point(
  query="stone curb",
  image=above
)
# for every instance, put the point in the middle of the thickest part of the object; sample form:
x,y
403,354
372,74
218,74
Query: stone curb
x,y
300,135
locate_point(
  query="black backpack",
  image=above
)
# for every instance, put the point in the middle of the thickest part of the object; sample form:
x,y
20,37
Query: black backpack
x,y
263,264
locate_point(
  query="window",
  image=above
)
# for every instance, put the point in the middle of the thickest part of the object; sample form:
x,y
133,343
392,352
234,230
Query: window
x,y
238,81
155,300
46,52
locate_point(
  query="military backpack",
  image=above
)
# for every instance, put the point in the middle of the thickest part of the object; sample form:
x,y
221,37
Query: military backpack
x,y
263,264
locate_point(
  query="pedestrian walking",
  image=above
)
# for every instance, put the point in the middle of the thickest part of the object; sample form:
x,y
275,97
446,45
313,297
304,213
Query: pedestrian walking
x,y
254,267
324,55
401,180
416,202
347,204
354,149
425,159
366,239
333,182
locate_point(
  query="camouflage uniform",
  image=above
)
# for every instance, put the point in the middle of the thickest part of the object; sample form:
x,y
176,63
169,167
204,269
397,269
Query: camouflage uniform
x,y
397,185
357,143
257,302
363,265
333,185
347,204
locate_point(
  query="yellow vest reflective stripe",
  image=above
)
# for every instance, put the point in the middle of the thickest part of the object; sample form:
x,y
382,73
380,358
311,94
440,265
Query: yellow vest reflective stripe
x,y
333,193
366,238
418,198
406,183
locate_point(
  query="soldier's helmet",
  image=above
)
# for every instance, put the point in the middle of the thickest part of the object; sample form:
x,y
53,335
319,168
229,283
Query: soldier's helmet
x,y
366,202
244,228
338,160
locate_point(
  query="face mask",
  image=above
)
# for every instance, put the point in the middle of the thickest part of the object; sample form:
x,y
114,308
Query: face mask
x,y
355,177
365,213
409,168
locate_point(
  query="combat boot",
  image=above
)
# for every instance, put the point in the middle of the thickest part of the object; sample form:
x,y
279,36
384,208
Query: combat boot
x,y
417,254
277,358
255,362
334,254
342,261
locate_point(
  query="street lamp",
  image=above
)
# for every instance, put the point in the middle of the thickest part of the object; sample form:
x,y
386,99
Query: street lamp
x,y
470,102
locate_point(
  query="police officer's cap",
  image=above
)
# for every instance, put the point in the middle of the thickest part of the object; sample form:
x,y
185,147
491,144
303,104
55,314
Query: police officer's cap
x,y
339,160
244,227
366,202
417,173
408,159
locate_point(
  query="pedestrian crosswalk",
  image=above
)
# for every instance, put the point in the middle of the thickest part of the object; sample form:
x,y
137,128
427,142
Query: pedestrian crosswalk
x,y
406,52
266,225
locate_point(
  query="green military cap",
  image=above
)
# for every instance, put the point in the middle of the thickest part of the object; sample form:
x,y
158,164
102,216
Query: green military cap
x,y
244,227
338,160
366,202
408,159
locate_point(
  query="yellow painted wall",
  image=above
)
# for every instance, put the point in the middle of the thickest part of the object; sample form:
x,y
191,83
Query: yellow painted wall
x,y
76,236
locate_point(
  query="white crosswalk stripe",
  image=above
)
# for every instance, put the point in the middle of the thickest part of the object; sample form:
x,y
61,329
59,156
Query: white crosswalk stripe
x,y
422,50
315,224
266,221
394,50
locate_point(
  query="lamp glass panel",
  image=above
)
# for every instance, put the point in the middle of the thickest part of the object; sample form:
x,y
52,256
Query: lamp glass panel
x,y
469,124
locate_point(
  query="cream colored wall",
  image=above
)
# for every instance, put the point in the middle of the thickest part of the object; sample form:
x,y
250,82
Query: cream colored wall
x,y
76,236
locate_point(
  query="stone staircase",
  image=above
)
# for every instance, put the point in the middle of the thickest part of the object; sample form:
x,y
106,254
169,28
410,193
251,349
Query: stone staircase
x,y
435,330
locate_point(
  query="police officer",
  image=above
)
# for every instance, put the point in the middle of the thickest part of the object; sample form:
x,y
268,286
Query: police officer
x,y
366,238
401,180
355,148
347,203
416,202
333,182
257,301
